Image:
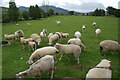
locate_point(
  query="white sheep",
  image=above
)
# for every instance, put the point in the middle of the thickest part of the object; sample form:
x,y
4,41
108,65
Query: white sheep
x,y
17,24
50,34
65,35
58,22
100,73
97,32
69,49
36,38
19,33
55,38
43,33
83,28
76,41
9,37
25,41
109,45
28,24
42,52
94,24
44,64
32,45
77,34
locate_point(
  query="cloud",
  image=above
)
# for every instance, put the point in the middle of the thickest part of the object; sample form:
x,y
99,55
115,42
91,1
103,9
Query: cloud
x,y
84,7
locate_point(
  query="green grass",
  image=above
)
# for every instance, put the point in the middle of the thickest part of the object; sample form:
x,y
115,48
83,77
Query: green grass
x,y
12,64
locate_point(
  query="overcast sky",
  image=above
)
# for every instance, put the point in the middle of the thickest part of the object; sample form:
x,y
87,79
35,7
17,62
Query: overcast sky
x,y
76,5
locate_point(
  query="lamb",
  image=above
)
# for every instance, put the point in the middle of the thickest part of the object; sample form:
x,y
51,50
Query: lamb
x,y
43,33
17,24
50,34
97,32
36,38
65,35
94,24
58,22
9,37
32,45
69,49
25,41
109,45
83,28
76,41
77,34
42,52
103,72
19,34
44,64
54,38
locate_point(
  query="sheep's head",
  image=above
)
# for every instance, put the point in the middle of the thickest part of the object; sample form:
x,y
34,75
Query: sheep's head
x,y
105,62
56,45
21,74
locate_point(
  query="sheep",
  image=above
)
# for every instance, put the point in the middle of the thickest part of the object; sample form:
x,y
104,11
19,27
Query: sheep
x,y
94,24
9,37
58,22
25,41
65,35
4,43
19,34
109,45
36,38
76,41
44,64
103,72
50,34
55,38
32,45
69,49
97,32
28,24
17,24
83,28
77,34
42,52
43,33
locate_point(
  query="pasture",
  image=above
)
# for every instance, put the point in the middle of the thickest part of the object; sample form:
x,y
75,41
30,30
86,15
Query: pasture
x,y
11,55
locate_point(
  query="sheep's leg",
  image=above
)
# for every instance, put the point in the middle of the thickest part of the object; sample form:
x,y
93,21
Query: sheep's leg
x,y
23,46
78,60
52,74
61,56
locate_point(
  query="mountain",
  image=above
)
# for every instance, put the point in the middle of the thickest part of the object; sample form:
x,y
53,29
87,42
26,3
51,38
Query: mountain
x,y
45,8
56,9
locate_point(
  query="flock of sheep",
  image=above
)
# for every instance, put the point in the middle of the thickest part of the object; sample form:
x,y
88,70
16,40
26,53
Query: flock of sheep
x,y
42,59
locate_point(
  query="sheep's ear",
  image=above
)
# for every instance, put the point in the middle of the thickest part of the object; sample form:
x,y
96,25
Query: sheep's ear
x,y
109,61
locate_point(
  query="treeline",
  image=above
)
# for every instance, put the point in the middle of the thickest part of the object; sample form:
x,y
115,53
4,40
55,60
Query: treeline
x,y
13,14
110,11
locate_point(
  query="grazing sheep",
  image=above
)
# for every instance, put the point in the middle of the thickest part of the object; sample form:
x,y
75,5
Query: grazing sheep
x,y
94,24
54,38
77,34
109,45
58,22
42,52
32,45
17,24
45,64
4,43
97,32
50,35
69,49
25,41
28,24
36,38
76,41
65,35
9,37
100,72
83,28
19,34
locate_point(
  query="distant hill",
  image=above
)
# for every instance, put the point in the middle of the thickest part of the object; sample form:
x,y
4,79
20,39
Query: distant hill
x,y
45,8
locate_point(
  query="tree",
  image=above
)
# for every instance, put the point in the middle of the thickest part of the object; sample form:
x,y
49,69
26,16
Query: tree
x,y
13,11
51,12
71,12
117,12
5,18
110,10
25,15
99,12
56,14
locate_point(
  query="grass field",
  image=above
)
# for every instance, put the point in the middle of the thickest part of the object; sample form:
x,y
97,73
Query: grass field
x,y
11,55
